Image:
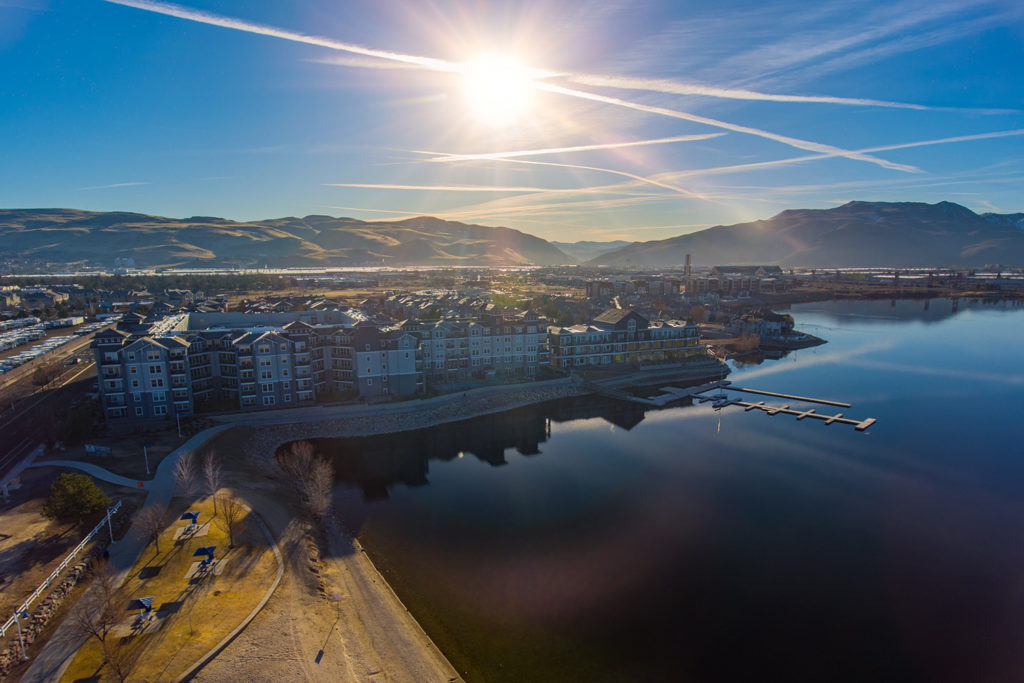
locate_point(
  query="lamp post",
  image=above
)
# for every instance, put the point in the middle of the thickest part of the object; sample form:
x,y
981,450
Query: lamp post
x,y
110,527
177,414
21,639
145,454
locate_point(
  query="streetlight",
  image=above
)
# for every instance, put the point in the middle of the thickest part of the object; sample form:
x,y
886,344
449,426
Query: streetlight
x,y
21,639
110,527
145,454
177,414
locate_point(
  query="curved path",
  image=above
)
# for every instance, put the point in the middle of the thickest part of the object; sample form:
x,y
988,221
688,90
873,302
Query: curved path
x,y
97,472
49,664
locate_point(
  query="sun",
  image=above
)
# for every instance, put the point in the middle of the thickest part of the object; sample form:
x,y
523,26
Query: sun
x,y
497,89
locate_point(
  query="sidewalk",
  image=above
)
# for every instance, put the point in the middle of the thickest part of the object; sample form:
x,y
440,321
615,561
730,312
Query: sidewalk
x,y
97,472
50,662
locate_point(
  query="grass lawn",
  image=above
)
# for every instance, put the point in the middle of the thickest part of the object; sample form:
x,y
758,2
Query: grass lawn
x,y
197,614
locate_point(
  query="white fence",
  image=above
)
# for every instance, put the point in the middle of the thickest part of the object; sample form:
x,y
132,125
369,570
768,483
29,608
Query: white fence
x,y
60,568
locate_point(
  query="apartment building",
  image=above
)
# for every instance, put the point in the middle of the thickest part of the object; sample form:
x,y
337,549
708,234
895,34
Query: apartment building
x,y
622,336
492,345
159,370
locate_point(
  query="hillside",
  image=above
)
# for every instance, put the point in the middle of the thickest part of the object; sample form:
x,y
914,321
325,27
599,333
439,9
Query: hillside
x,y
67,237
587,250
854,234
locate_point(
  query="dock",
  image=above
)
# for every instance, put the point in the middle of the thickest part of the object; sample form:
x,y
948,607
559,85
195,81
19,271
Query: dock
x,y
701,394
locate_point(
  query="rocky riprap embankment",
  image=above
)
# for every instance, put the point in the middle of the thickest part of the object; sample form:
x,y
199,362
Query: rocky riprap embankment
x,y
269,438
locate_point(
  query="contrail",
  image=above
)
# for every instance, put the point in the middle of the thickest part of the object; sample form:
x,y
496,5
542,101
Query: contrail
x,y
444,156
457,188
453,67
250,27
110,187
813,157
786,140
624,174
677,88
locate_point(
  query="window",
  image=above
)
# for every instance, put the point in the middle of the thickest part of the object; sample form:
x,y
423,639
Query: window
x,y
287,398
137,396
284,347
155,369
159,410
267,388
286,385
153,355
160,396
268,400
266,374
156,383
135,384
138,412
133,369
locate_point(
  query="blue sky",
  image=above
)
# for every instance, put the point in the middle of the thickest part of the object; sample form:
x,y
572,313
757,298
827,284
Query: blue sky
x,y
569,119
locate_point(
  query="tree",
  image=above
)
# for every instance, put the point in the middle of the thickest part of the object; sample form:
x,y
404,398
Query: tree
x,y
74,497
211,475
185,475
298,459
151,522
122,658
233,518
97,613
316,487
698,314
40,377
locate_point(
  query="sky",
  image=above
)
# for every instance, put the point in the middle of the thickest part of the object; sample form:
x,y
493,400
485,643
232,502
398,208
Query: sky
x,y
568,119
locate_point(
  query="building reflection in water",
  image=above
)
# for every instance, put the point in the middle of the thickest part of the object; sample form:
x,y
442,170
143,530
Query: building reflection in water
x,y
376,463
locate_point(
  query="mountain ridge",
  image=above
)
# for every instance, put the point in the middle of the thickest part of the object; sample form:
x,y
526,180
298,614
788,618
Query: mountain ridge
x,y
76,237
858,233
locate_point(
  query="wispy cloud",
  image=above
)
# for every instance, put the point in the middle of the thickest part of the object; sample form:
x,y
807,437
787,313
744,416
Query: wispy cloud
x,y
672,87
180,12
674,113
444,156
111,186
458,188
448,66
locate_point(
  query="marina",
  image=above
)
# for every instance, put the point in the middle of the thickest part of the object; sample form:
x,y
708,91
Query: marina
x,y
719,401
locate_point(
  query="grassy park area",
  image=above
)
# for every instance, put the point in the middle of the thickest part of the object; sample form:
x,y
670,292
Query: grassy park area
x,y
194,605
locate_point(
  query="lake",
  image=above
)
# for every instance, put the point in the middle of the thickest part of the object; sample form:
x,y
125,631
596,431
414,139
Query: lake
x,y
596,540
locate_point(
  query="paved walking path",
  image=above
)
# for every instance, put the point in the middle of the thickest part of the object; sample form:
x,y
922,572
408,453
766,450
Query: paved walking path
x,y
50,662
95,471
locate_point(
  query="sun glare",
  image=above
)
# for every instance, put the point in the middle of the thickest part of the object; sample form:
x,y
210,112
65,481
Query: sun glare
x,y
497,89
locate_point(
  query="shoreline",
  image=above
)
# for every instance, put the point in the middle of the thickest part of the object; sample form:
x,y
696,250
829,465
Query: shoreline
x,y
273,431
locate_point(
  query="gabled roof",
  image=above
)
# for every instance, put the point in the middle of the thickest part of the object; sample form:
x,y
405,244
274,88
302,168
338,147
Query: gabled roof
x,y
613,316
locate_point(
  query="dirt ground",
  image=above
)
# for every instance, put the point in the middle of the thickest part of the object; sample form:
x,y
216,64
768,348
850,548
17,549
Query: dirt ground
x,y
31,546
333,618
126,453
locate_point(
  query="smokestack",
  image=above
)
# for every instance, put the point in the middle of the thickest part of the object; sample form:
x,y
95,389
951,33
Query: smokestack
x,y
687,265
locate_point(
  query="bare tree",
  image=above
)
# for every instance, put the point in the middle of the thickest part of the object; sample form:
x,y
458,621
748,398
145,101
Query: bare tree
x,y
698,314
185,475
122,659
298,460
211,474
151,522
316,487
233,518
96,615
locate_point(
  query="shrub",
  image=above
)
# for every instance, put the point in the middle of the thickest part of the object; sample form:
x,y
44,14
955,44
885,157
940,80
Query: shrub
x,y
74,497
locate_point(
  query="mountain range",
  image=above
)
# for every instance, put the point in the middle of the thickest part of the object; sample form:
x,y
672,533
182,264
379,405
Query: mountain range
x,y
854,234
71,237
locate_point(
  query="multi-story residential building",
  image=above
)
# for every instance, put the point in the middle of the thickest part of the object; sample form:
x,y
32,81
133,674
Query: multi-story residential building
x,y
622,336
493,345
160,369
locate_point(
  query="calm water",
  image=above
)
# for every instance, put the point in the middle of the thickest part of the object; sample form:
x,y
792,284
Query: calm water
x,y
591,540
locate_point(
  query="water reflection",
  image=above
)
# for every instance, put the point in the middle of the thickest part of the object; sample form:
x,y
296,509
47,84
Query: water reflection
x,y
377,463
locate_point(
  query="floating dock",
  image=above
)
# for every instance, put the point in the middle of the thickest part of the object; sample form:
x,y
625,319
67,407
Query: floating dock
x,y
700,393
